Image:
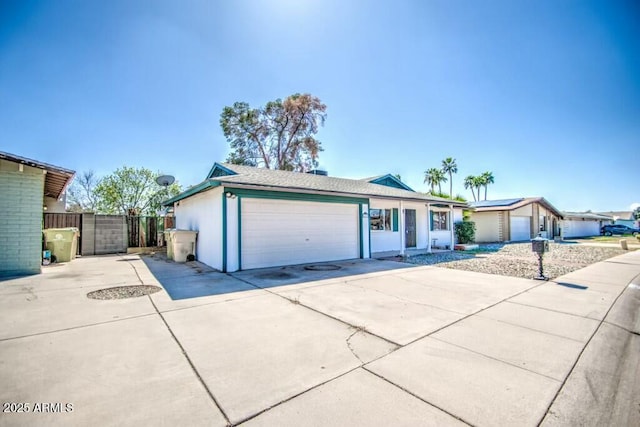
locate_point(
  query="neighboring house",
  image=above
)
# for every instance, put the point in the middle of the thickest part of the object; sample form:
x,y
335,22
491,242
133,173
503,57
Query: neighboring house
x,y
26,188
622,217
249,217
515,220
582,224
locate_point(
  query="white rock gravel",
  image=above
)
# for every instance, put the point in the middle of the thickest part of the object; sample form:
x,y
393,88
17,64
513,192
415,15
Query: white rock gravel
x,y
517,259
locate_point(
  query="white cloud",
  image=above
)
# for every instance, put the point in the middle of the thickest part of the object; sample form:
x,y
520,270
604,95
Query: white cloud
x,y
634,206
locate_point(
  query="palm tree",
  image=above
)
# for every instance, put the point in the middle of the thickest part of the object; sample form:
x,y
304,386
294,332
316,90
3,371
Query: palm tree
x,y
430,178
478,182
435,177
487,178
449,166
469,182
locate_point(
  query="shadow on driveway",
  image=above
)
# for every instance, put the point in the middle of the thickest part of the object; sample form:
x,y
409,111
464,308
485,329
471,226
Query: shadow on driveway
x,y
194,279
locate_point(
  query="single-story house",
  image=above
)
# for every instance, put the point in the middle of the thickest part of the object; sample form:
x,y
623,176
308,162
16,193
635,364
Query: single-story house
x,y
623,218
27,188
582,224
515,220
248,217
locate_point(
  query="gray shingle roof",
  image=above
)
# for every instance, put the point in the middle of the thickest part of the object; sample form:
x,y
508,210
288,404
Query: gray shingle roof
x,y
266,179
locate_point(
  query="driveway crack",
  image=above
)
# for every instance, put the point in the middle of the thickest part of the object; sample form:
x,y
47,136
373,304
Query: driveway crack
x,y
353,351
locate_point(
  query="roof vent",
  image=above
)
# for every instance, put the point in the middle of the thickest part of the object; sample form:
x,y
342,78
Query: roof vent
x,y
318,172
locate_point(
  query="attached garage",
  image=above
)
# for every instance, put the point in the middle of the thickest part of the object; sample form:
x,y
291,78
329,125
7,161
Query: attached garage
x,y
520,228
282,232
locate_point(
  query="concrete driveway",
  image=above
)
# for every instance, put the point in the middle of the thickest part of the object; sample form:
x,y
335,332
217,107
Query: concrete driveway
x,y
369,343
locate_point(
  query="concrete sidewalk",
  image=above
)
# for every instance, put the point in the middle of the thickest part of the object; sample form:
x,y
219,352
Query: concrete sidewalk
x,y
388,345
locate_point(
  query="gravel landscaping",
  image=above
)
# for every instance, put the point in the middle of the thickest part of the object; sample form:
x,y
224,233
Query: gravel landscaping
x,y
517,259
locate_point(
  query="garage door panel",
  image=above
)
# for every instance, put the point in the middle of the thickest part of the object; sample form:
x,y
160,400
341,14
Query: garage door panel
x,y
575,228
520,228
279,232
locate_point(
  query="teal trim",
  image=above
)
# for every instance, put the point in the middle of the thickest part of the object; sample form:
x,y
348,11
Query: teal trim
x,y
395,219
282,195
239,234
360,224
369,229
205,185
391,181
222,171
224,233
431,220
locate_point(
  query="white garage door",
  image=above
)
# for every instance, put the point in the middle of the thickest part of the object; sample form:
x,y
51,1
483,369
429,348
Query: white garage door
x,y
520,228
581,228
280,232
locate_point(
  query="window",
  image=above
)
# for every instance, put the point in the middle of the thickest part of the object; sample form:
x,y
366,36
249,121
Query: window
x,y
543,223
439,221
380,219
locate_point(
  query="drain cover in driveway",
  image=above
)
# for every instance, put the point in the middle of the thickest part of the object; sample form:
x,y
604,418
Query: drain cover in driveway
x,y
322,267
121,292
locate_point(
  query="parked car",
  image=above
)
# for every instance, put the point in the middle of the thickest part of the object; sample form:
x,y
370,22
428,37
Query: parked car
x,y
610,230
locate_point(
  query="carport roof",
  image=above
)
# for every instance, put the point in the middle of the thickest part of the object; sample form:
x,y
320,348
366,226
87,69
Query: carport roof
x,y
56,178
230,175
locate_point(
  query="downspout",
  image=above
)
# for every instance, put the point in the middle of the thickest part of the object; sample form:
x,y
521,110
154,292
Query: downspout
x,y
451,227
402,230
429,227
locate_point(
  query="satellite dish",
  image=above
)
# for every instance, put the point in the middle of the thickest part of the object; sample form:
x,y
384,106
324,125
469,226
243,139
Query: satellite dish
x,y
165,180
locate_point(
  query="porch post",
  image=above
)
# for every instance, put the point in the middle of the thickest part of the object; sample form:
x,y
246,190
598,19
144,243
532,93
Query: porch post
x,y
401,228
429,227
451,226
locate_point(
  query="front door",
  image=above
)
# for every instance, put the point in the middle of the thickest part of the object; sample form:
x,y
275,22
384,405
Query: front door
x,y
409,228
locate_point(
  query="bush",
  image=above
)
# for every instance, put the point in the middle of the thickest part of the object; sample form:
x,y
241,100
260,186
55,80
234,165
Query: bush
x,y
465,231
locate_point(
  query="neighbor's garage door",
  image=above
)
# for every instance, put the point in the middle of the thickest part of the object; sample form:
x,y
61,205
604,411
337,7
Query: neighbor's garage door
x,y
520,228
279,232
581,228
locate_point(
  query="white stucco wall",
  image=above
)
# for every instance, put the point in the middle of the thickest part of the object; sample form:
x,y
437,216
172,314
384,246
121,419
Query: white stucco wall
x,y
203,213
383,241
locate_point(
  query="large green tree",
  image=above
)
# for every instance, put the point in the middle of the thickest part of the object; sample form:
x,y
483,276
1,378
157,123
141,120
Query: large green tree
x,y
280,135
132,191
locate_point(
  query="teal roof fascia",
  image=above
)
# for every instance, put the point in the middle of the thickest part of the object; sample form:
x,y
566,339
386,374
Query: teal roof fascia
x,y
381,181
204,185
217,166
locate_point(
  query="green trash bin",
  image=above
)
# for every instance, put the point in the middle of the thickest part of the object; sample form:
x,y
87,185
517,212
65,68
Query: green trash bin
x,y
62,242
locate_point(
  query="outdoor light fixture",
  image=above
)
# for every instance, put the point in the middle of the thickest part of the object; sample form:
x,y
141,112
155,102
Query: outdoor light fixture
x,y
230,195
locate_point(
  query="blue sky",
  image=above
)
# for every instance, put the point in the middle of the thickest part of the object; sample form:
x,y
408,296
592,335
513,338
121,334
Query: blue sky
x,y
545,94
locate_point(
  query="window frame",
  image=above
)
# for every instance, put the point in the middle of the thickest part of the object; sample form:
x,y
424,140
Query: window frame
x,y
386,219
446,215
